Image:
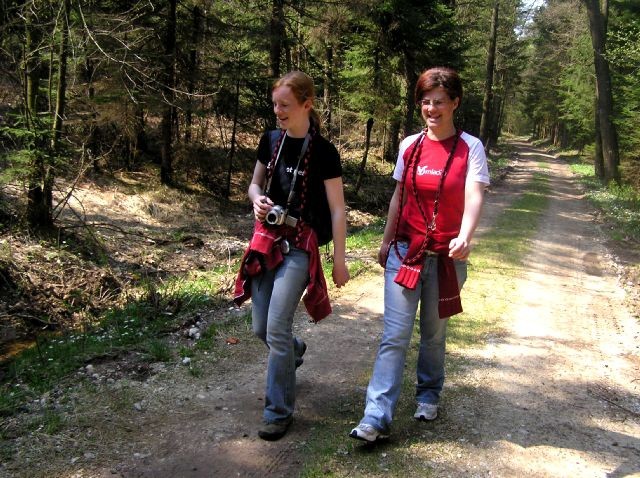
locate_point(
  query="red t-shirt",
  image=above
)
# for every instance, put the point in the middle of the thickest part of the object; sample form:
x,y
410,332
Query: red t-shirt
x,y
433,157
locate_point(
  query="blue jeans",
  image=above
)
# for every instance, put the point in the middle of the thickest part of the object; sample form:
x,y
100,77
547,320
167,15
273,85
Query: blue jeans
x,y
400,306
275,296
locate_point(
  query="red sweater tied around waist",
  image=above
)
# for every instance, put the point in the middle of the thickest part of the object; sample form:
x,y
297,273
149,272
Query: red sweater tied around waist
x,y
264,252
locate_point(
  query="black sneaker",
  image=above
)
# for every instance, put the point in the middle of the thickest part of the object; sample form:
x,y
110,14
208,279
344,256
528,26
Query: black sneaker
x,y
303,349
274,431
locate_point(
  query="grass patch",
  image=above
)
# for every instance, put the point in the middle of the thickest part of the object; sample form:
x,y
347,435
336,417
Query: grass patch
x,y
153,311
367,237
499,161
496,264
619,204
364,241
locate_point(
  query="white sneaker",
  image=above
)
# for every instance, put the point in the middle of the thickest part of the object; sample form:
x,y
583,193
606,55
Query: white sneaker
x,y
426,411
367,433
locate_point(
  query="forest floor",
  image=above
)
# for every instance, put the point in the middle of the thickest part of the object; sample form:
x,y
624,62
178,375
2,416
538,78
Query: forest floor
x,y
555,393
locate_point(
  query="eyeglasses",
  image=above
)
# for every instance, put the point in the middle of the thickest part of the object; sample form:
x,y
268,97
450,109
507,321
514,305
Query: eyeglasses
x,y
437,103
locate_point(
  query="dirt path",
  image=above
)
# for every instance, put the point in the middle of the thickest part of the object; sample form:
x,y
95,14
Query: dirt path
x,y
558,394
219,435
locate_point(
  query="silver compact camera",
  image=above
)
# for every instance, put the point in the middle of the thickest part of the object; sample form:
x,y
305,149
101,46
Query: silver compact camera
x,y
278,216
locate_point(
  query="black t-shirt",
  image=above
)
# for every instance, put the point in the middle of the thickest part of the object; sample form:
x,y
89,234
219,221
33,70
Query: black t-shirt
x,y
324,164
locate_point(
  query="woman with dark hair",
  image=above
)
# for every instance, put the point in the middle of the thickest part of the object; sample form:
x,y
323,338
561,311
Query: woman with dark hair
x,y
441,176
298,203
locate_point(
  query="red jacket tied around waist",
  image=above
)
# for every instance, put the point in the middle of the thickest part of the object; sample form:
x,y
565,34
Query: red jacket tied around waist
x,y
264,251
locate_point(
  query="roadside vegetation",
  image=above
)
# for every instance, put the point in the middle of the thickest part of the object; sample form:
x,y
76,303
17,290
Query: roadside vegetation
x,y
619,204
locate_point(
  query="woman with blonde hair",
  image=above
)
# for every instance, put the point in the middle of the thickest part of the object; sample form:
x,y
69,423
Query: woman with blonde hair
x,y
298,203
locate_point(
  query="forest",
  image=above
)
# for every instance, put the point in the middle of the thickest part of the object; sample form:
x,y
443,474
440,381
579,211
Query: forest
x,y
178,93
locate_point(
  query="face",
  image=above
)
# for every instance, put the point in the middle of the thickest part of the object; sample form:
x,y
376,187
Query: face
x,y
439,108
291,114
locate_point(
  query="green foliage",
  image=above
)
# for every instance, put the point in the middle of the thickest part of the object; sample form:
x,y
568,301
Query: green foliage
x,y
576,92
619,204
367,237
158,350
559,89
139,325
623,53
475,20
390,44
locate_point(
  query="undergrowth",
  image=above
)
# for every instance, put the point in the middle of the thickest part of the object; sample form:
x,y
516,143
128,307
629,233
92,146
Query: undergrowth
x,y
619,203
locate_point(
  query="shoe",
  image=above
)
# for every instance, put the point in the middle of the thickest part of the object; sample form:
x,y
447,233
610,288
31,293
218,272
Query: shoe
x,y
426,412
275,430
299,359
367,433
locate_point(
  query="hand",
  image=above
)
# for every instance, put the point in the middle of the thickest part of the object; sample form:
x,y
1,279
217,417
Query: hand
x,y
383,253
340,274
261,206
459,249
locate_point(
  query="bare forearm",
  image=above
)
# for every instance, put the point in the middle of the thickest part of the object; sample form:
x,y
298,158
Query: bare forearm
x,y
339,230
472,209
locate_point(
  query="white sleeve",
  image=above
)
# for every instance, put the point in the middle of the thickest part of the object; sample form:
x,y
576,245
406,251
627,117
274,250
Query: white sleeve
x,y
399,169
477,166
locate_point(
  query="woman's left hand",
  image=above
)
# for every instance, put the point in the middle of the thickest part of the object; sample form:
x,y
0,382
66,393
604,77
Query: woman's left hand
x,y
340,274
459,249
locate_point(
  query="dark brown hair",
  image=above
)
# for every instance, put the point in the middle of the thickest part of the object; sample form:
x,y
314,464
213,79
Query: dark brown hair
x,y
302,88
439,76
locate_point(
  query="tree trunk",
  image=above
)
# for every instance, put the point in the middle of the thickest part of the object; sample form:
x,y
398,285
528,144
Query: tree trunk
x,y
232,149
598,25
410,77
191,75
485,121
276,38
363,163
328,84
39,194
393,141
61,91
166,166
32,68
598,160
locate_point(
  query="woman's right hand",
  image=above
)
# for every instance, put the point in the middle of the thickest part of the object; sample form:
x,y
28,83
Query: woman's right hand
x,y
261,206
383,253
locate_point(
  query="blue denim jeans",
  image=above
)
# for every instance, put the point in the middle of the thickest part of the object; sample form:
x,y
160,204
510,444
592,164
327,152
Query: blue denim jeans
x,y
400,306
275,296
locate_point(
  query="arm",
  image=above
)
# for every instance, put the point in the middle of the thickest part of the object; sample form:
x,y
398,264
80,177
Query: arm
x,y
335,197
261,203
389,229
473,199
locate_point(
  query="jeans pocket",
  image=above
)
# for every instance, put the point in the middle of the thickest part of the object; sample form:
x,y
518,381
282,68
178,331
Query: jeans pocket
x,y
461,271
393,261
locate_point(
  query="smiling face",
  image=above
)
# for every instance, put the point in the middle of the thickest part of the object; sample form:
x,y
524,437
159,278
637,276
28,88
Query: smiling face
x,y
437,110
292,115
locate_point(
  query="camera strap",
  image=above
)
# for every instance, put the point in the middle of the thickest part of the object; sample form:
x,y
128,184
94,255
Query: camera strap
x,y
303,151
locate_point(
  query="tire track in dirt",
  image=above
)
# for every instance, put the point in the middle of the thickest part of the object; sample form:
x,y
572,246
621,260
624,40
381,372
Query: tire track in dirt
x,y
561,393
